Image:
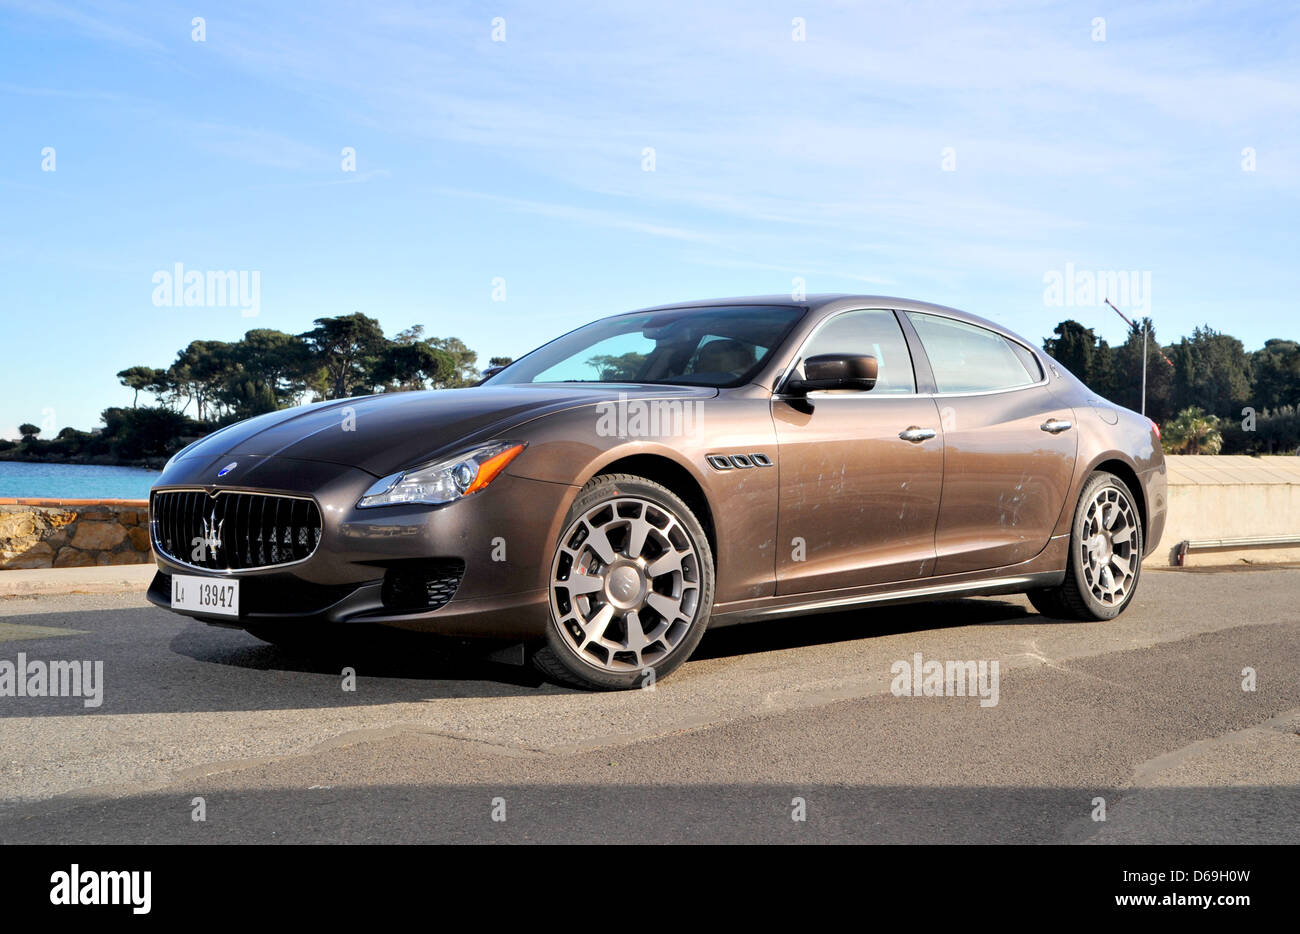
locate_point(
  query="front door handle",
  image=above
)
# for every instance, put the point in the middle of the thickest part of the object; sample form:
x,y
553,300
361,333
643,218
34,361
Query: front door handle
x,y
916,435
1057,425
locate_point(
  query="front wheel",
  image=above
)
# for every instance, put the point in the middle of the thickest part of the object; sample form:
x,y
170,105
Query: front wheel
x,y
1105,555
631,586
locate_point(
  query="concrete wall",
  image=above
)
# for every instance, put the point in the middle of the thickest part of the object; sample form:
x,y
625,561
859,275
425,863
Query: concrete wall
x,y
1230,496
73,533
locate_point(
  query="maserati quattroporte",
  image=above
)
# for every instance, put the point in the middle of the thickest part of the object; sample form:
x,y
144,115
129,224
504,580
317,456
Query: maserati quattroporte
x,y
600,502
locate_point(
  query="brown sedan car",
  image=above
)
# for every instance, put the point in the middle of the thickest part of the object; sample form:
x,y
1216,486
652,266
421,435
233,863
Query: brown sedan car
x,y
604,499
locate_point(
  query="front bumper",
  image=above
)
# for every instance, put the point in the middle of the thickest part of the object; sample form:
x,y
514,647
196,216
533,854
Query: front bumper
x,y
502,535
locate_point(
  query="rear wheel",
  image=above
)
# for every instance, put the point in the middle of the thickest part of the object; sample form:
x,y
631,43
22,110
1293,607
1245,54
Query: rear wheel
x,y
1105,555
631,586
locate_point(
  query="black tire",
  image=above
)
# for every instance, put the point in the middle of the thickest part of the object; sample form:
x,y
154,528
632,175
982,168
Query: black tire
x,y
1077,597
563,660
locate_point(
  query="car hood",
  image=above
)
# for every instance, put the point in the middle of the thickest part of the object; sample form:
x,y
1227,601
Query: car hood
x,y
385,433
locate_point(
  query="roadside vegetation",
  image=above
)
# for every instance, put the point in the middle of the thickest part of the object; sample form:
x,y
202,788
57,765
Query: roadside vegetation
x,y
211,384
1207,392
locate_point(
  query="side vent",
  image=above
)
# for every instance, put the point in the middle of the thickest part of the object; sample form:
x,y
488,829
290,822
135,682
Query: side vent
x,y
738,461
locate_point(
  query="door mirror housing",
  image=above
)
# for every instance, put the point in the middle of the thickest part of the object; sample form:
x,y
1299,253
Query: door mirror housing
x,y
835,371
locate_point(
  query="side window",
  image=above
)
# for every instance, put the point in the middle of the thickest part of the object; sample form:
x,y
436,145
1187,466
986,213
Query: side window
x,y
968,358
869,332
1029,360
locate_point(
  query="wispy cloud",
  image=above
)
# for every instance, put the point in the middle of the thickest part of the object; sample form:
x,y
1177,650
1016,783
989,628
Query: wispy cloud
x,y
105,21
258,147
589,216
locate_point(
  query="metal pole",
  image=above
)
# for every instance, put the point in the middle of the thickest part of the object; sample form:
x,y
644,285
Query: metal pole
x,y
1144,350
1144,368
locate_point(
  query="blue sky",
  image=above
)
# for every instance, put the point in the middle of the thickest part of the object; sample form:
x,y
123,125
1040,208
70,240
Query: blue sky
x,y
946,152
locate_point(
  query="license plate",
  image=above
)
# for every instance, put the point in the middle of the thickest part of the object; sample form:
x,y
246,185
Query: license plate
x,y
204,594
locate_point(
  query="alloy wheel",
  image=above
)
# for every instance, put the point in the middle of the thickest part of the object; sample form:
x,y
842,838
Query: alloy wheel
x,y
1107,546
625,584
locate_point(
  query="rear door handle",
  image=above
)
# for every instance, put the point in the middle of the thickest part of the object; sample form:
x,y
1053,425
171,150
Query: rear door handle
x,y
1057,425
916,435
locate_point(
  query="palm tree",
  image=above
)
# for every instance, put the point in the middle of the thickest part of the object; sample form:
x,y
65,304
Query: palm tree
x,y
1192,432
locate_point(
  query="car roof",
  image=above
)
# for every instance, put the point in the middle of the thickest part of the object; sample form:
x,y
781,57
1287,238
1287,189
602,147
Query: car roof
x,y
839,301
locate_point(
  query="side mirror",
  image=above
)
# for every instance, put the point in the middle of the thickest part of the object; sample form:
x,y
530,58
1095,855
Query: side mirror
x,y
488,374
836,371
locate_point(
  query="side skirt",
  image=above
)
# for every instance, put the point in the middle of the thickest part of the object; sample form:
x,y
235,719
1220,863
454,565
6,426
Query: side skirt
x,y
1032,575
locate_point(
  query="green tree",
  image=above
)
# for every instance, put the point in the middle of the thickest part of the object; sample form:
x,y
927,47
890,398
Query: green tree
x,y
1184,390
1216,374
146,433
464,362
1073,348
1278,430
28,431
1276,368
281,361
1193,431
1085,355
199,373
347,347
141,377
406,366
1127,390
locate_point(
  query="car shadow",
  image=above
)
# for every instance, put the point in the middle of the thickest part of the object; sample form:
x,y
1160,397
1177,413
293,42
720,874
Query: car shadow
x,y
850,625
150,661
379,652
140,646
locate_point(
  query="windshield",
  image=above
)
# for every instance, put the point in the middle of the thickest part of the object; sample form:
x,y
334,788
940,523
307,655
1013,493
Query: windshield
x,y
716,347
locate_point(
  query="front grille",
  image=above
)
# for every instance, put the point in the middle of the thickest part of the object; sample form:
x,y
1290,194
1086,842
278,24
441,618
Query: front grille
x,y
231,531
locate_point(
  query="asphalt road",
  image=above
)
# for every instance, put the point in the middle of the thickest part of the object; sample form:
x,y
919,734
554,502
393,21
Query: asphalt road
x,y
1146,712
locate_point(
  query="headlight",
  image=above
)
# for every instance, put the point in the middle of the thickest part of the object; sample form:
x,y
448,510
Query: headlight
x,y
445,480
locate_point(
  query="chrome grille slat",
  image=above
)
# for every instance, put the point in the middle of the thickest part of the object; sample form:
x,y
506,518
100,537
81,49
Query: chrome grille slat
x,y
275,534
246,503
253,530
190,524
264,553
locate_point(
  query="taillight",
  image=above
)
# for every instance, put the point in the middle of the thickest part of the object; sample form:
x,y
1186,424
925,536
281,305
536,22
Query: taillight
x,y
1156,427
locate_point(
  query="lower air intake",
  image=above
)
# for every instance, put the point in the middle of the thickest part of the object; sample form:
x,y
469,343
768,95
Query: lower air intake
x,y
422,585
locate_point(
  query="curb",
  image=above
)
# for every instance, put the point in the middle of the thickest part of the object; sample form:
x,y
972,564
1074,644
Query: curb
x,y
122,578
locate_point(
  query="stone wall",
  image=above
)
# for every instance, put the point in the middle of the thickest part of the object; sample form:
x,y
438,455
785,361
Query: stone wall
x,y
73,533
